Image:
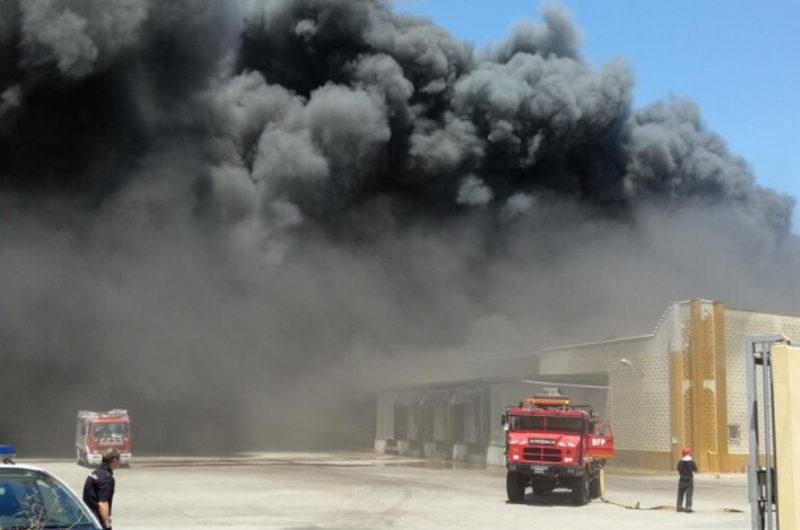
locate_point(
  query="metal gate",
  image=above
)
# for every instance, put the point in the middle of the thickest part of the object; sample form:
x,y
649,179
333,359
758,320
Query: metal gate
x,y
762,469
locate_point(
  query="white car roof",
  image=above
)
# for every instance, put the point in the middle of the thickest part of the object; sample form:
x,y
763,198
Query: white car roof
x,y
27,467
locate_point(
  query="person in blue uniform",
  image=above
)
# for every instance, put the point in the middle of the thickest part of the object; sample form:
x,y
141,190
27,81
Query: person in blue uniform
x,y
98,490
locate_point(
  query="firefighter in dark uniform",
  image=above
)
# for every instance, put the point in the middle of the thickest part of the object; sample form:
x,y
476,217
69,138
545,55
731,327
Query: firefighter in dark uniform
x,y
98,490
686,470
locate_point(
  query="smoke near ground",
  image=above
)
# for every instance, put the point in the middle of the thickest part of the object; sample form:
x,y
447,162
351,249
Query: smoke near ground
x,y
207,209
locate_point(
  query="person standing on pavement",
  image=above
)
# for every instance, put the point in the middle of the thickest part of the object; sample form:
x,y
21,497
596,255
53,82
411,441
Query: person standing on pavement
x,y
98,490
686,469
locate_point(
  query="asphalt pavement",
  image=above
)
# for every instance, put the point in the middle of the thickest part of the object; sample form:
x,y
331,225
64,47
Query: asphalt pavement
x,y
305,491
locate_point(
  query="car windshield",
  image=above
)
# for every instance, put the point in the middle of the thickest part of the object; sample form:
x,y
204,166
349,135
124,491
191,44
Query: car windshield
x,y
547,423
33,500
110,430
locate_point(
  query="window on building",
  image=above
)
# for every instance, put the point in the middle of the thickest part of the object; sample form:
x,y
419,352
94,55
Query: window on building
x,y
734,432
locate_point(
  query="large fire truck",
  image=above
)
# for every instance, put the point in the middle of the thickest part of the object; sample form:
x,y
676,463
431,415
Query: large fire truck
x,y
551,444
95,432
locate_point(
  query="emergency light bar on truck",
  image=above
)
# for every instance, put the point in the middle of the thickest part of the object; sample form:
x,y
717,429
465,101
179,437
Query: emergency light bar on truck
x,y
547,402
114,413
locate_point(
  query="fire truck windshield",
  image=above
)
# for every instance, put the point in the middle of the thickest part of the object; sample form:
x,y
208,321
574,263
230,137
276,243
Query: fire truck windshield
x,y
547,423
110,430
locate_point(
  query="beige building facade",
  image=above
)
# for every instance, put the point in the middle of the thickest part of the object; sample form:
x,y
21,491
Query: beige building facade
x,y
682,385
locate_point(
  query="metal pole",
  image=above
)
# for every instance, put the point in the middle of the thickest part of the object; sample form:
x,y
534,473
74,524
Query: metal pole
x,y
752,413
763,501
766,388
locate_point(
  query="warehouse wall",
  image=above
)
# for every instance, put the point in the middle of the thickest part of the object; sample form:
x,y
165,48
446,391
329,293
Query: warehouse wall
x,y
682,385
639,396
739,325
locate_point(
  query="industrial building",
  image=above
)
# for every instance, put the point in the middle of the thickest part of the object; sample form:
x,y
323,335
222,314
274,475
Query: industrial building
x,y
683,384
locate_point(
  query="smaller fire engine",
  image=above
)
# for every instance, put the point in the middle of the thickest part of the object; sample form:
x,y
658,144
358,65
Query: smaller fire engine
x,y
551,444
95,432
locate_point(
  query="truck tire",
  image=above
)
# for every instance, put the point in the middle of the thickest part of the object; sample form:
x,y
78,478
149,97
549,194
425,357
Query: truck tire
x,y
597,485
515,487
594,487
580,490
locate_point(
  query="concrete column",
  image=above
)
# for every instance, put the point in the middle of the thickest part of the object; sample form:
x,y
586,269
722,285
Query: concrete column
x,y
677,419
460,452
696,388
429,450
496,455
721,391
403,447
703,387
676,379
785,374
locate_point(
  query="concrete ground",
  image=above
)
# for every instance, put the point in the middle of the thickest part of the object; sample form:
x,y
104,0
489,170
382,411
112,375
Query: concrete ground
x,y
361,490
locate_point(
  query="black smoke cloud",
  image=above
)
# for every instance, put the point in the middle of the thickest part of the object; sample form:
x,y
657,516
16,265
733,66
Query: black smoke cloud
x,y
208,209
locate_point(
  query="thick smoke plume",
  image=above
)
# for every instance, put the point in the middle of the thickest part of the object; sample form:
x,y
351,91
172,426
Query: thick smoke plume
x,y
207,209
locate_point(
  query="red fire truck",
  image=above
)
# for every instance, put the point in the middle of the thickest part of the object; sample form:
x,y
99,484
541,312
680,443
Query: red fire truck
x,y
95,432
551,444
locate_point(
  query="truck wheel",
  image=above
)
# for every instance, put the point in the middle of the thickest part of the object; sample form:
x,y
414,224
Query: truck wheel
x,y
594,487
580,490
597,485
515,487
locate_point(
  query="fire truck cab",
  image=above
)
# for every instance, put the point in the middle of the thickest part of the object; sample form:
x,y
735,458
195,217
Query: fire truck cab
x,y
95,432
551,444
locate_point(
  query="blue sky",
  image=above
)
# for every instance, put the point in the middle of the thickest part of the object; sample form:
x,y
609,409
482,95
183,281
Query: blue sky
x,y
739,60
